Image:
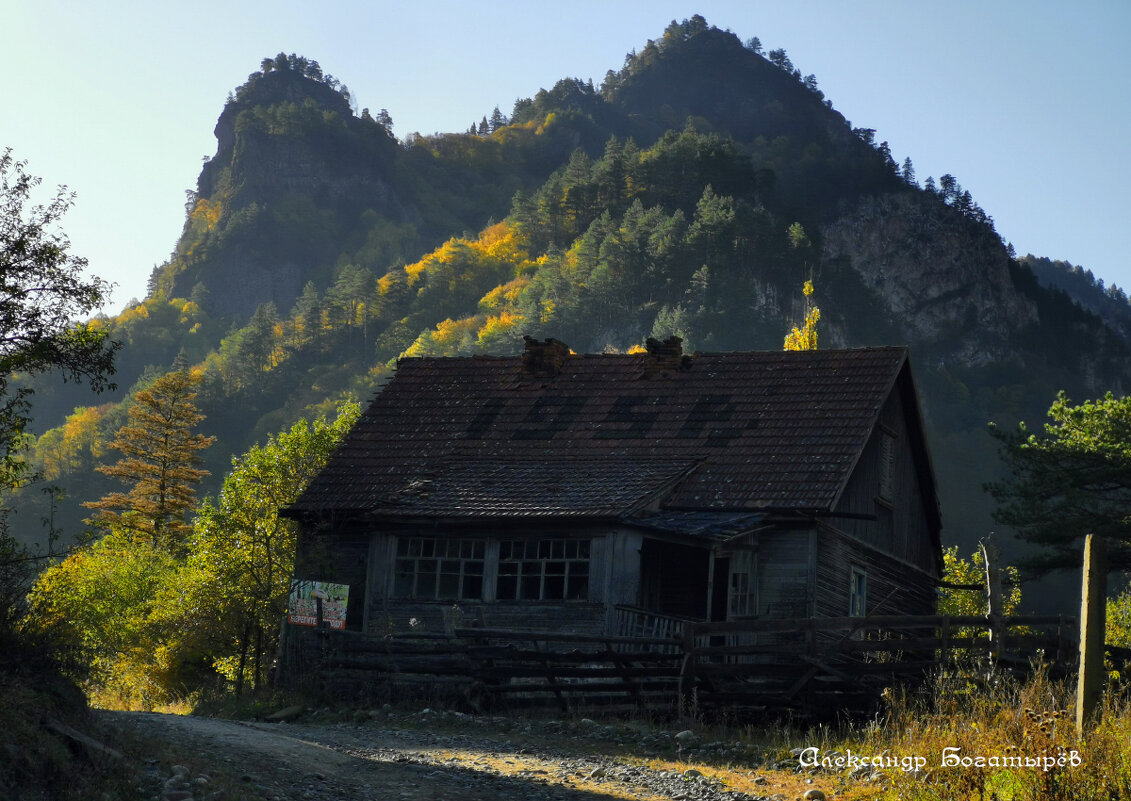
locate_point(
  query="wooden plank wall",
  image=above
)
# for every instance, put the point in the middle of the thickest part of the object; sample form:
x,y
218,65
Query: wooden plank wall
x,y
341,559
900,527
784,560
892,586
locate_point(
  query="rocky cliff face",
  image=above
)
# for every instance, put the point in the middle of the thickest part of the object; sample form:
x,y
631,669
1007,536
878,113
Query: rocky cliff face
x,y
293,173
239,121
946,282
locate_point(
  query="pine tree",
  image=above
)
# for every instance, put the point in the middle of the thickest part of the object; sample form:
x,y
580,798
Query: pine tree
x,y
308,312
909,172
161,463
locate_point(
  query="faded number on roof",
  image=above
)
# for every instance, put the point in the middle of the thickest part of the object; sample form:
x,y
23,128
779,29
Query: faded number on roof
x,y
484,419
548,416
703,420
711,418
631,417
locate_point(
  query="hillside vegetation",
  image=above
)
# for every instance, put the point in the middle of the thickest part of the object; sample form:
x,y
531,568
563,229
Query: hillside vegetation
x,y
693,192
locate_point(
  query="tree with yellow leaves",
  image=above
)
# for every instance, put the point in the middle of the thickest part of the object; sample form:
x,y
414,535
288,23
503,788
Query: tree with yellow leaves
x,y
161,463
805,337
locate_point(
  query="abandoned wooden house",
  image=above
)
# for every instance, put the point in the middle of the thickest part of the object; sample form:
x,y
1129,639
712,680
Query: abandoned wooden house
x,y
620,494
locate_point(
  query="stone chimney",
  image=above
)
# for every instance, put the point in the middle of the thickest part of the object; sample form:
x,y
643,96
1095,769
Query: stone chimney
x,y
666,356
544,358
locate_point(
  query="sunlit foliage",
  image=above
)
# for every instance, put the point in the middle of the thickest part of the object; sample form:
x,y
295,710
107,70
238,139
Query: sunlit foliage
x,y
958,570
104,594
236,578
1071,480
160,465
805,337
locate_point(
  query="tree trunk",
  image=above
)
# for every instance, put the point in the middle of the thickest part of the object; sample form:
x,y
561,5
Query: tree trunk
x,y
244,641
258,658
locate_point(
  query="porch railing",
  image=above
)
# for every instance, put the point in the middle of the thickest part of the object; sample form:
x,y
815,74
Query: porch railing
x,y
634,622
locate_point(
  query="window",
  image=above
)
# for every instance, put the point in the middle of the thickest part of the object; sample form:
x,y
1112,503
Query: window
x,y
741,595
742,598
543,570
858,593
434,568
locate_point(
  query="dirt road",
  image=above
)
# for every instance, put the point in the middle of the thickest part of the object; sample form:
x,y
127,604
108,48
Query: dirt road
x,y
444,756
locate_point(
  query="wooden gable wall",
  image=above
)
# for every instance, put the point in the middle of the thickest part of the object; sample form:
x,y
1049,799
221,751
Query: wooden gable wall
x,y
901,526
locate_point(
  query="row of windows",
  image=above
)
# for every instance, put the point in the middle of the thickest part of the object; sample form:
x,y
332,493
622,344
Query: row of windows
x,y
536,570
428,547
528,570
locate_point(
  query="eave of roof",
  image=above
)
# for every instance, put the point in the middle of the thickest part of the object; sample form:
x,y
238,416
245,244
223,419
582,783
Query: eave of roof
x,y
574,488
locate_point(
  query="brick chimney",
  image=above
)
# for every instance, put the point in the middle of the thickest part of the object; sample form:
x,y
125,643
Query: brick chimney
x,y
666,356
544,358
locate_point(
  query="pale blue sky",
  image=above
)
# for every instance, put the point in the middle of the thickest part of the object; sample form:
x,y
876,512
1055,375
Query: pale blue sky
x,y
1025,101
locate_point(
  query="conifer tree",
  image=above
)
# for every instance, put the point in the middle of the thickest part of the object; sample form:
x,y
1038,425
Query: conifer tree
x,y
1069,480
161,463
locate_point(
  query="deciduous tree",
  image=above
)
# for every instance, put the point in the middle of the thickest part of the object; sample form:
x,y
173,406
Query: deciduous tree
x,y
43,290
805,337
957,570
103,595
241,556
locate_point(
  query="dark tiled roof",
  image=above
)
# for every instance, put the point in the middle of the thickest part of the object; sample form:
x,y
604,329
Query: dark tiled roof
x,y
610,488
779,430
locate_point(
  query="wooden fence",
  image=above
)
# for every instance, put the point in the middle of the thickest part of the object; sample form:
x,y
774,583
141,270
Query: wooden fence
x,y
810,666
815,665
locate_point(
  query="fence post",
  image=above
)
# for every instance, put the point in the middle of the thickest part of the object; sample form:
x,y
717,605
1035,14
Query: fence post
x,y
687,695
1093,611
992,557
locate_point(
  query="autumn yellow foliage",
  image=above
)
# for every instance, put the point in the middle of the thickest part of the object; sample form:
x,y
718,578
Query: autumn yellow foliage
x,y
498,327
501,241
206,213
805,337
503,296
74,446
449,337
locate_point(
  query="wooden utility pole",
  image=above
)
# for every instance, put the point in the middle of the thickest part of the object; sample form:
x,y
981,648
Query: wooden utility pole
x,y
991,555
1093,618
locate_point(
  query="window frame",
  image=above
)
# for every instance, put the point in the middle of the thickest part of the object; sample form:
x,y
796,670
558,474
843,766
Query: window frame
x,y
450,558
742,586
523,563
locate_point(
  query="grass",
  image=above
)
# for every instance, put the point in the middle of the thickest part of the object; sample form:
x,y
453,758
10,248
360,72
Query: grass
x,y
965,735
1007,740
969,735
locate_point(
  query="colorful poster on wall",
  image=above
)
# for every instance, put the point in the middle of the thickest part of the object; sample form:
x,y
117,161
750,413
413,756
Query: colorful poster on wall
x,y
311,600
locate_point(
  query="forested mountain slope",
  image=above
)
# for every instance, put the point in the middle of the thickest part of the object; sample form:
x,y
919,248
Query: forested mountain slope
x,y
692,192
1109,302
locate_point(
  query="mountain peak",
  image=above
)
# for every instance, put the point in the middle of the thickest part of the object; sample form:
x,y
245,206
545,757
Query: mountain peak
x,y
282,79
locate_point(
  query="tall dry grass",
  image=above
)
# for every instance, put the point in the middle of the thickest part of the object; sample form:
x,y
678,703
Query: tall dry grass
x,y
989,736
